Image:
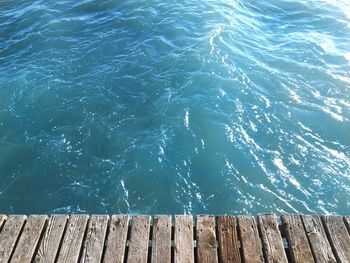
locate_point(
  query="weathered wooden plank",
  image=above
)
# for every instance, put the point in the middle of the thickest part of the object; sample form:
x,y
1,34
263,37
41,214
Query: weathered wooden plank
x,y
338,237
29,239
298,243
206,239
116,241
184,249
347,222
95,239
9,235
138,249
51,240
250,240
2,220
161,239
271,239
228,239
73,239
318,240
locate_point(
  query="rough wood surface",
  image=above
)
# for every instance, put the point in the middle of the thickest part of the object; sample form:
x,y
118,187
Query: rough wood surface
x,y
29,239
73,239
206,239
250,240
116,241
184,250
50,242
9,235
138,249
347,222
2,220
95,239
161,239
298,244
271,238
228,239
338,237
318,240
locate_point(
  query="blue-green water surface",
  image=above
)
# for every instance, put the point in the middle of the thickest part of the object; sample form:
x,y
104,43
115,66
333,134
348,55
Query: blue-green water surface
x,y
157,106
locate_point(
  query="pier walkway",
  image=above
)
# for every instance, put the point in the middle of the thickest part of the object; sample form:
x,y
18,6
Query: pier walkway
x,y
179,239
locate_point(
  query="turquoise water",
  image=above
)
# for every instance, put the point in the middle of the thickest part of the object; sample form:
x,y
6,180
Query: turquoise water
x,y
186,106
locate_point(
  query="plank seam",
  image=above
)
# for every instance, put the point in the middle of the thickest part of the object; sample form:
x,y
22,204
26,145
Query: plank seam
x,y
3,223
17,240
150,240
127,242
172,240
239,239
307,237
40,239
195,247
84,237
346,224
216,240
260,236
329,237
62,238
106,238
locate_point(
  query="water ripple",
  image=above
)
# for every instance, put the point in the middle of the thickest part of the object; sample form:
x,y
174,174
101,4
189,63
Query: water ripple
x,y
175,107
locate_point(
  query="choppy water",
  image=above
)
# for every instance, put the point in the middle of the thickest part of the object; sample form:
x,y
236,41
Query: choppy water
x,y
158,106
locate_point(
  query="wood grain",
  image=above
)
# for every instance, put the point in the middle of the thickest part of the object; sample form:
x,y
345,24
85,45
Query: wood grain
x,y
73,239
347,222
184,250
318,240
206,239
50,242
116,240
9,235
271,239
250,240
29,239
338,237
228,239
2,220
298,243
138,249
94,239
161,239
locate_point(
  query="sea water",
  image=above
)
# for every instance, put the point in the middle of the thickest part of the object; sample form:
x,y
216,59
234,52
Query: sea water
x,y
187,106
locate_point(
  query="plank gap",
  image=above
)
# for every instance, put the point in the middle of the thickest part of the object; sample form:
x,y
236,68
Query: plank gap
x,y
40,238
325,227
17,240
84,238
3,219
346,220
106,238
195,248
62,238
172,244
150,241
127,243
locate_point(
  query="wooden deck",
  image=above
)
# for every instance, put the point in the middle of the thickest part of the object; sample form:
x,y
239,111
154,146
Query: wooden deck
x,y
179,239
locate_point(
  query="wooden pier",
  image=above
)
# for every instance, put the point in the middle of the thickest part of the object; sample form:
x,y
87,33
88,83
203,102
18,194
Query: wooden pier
x,y
179,239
